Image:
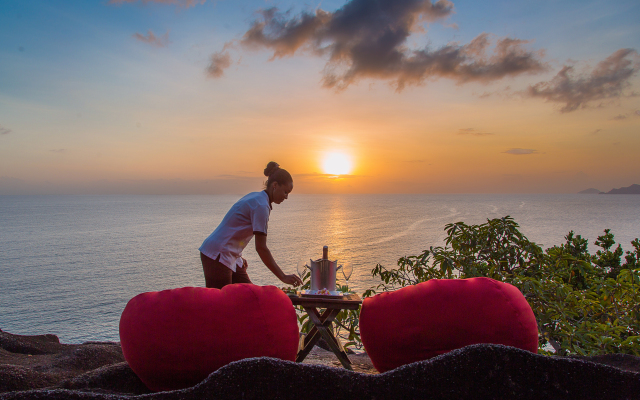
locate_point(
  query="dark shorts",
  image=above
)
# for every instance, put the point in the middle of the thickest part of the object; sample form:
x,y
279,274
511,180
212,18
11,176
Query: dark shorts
x,y
217,275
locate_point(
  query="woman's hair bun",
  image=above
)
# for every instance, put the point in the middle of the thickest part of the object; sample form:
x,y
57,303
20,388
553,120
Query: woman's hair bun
x,y
271,168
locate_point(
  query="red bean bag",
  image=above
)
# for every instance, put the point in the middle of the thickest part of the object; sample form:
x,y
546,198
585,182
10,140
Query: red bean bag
x,y
431,318
175,338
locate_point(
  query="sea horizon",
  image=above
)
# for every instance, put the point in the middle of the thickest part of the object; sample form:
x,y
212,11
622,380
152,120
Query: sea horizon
x,y
69,263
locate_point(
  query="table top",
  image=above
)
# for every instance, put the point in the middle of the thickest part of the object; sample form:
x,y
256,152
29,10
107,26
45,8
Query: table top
x,y
350,301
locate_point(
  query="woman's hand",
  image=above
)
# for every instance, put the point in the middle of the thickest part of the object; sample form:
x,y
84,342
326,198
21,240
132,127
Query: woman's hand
x,y
267,259
292,280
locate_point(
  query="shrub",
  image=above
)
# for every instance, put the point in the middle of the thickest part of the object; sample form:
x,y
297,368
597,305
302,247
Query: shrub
x,y
584,304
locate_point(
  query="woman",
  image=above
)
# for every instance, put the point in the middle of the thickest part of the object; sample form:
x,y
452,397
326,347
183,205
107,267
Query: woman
x,y
221,252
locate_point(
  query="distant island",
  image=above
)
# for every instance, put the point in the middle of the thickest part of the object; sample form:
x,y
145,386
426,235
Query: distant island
x,y
590,191
633,189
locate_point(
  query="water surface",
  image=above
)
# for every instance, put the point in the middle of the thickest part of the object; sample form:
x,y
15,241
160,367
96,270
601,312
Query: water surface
x,y
69,264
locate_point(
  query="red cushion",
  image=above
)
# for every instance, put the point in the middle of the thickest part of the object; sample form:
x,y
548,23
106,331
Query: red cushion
x,y
431,318
175,338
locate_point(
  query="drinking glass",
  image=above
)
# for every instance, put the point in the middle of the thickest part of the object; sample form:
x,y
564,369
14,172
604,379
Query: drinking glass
x,y
301,266
347,270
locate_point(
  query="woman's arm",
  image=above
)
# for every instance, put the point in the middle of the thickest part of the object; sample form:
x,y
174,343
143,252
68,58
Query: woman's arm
x,y
267,259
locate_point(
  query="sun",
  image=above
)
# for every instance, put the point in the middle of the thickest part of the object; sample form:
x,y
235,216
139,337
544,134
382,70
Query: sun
x,y
336,164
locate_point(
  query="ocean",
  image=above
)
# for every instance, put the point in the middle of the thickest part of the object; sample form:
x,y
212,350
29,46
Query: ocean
x,y
69,264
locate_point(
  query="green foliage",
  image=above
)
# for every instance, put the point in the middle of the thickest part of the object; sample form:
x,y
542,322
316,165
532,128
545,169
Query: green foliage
x,y
584,304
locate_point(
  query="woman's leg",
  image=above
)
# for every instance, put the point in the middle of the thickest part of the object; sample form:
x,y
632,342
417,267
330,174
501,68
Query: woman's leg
x,y
216,274
241,276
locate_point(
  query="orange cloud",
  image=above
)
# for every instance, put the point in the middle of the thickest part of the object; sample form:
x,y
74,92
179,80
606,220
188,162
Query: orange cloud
x,y
521,152
219,62
158,41
473,132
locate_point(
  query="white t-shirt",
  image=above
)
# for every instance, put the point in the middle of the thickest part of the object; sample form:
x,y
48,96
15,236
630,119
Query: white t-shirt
x,y
249,215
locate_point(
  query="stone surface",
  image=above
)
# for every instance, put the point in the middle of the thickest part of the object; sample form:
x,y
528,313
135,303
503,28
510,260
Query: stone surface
x,y
478,371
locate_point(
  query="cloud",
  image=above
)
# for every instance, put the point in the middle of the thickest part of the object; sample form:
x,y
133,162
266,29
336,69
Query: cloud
x,y
158,41
596,131
521,152
368,39
638,113
606,81
58,151
619,117
505,92
471,131
219,62
4,131
179,3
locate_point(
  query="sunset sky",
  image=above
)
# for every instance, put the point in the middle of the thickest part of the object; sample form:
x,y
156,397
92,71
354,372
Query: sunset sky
x,y
196,96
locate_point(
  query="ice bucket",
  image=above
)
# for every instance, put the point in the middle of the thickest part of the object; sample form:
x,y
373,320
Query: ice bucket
x,y
323,272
